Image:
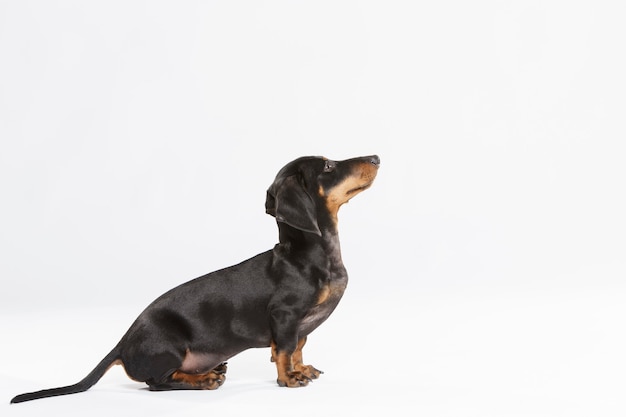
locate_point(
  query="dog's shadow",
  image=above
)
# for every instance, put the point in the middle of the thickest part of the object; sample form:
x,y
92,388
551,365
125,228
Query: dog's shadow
x,y
235,388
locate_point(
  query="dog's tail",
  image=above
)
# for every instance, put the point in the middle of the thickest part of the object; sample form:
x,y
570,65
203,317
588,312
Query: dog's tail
x,y
94,376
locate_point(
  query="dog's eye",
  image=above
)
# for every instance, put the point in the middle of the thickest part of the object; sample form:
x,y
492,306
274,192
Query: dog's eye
x,y
329,166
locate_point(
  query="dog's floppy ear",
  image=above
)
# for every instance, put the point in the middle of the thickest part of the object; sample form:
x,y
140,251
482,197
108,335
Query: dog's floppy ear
x,y
288,201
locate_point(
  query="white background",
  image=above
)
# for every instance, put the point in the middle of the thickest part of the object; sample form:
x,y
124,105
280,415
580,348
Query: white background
x,y
487,264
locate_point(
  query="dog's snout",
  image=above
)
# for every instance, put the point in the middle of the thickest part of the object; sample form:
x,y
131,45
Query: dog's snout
x,y
374,159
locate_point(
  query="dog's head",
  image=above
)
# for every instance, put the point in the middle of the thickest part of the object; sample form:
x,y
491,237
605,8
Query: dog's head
x,y
312,187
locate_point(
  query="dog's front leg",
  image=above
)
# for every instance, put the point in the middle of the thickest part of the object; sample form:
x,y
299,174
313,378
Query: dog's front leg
x,y
287,354
291,372
298,365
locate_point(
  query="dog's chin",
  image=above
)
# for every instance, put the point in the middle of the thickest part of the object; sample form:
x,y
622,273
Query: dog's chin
x,y
354,191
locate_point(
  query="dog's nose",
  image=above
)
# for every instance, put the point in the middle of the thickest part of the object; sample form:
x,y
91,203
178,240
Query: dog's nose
x,y
374,159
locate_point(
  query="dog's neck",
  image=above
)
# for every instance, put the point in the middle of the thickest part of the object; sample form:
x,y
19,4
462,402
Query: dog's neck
x,y
294,239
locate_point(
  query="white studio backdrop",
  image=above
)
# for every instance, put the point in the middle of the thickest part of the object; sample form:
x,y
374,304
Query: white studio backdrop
x,y
137,139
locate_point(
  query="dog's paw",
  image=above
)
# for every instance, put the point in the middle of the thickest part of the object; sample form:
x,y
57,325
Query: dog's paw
x,y
309,371
299,377
220,369
294,379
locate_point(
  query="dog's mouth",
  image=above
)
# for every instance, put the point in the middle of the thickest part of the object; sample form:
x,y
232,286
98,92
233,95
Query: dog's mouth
x,y
359,180
360,188
366,180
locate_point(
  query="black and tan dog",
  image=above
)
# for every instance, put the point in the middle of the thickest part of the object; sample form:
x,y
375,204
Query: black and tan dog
x,y
275,299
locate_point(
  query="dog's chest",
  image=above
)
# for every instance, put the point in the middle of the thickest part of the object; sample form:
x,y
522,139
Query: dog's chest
x,y
327,300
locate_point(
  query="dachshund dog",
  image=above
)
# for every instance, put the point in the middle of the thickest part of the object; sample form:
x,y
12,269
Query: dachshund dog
x,y
275,299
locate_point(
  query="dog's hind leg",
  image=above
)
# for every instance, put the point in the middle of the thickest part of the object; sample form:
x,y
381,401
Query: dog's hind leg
x,y
180,380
